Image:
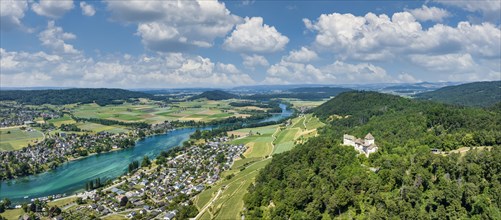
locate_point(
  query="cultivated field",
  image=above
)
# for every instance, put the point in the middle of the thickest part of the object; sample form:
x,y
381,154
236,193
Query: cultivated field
x,y
66,119
224,200
150,112
301,103
16,138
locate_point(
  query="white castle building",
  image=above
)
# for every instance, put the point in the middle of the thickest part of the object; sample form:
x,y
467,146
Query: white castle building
x,y
365,146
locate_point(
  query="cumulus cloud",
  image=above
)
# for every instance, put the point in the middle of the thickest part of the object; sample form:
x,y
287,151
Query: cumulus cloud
x,y
303,55
254,36
162,70
175,25
373,37
52,8
54,38
87,9
253,61
430,14
11,13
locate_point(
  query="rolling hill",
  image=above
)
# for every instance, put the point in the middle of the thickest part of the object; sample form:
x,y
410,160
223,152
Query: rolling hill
x,y
100,96
482,94
322,179
215,95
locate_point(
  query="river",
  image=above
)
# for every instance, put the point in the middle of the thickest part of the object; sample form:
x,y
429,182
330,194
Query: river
x,y
71,177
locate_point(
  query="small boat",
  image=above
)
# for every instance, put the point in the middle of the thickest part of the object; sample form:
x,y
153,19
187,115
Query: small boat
x,y
26,197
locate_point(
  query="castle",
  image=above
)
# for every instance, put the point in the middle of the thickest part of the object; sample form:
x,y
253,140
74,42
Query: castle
x,y
365,146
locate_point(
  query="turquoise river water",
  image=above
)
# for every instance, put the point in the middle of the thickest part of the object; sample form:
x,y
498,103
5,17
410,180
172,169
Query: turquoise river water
x,y
71,177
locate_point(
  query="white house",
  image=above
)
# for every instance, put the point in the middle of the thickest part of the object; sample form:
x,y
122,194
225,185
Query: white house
x,y
365,146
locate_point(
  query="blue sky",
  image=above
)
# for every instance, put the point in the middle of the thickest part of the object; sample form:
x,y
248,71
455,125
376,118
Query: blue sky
x,y
166,44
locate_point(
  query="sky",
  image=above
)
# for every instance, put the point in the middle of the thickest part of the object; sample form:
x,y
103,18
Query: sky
x,y
204,43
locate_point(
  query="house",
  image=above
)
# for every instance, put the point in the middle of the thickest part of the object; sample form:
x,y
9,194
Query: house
x,y
365,146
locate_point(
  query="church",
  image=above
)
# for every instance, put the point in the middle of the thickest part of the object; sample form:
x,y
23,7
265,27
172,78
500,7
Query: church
x,y
365,146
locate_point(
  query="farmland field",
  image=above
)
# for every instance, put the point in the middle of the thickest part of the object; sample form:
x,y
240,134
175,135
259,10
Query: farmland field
x,y
150,112
66,119
94,127
15,138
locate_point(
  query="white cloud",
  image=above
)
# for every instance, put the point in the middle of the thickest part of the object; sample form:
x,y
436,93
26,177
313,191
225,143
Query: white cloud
x,y
54,38
254,36
489,8
429,14
407,78
304,55
338,72
11,13
254,61
162,70
87,9
380,37
175,25
289,73
52,8
448,62
360,73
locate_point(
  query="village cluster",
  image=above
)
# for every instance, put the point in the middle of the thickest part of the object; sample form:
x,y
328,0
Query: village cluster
x,y
160,191
60,147
15,115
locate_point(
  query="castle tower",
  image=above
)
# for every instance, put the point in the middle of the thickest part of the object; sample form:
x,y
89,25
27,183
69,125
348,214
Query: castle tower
x,y
369,139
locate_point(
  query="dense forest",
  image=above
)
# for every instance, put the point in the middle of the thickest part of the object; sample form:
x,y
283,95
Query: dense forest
x,y
68,96
321,179
215,95
470,94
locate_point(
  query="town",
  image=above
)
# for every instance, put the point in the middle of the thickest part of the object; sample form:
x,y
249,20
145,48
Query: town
x,y
60,147
162,189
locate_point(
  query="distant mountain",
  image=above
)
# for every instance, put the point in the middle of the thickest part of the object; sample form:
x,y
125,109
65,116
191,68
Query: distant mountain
x,y
68,96
215,95
331,91
303,93
470,94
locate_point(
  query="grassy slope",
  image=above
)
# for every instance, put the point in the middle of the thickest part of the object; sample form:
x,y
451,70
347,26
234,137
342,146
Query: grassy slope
x,y
230,202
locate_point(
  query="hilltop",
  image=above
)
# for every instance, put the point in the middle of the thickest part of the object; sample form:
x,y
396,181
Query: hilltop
x,y
322,179
471,94
215,95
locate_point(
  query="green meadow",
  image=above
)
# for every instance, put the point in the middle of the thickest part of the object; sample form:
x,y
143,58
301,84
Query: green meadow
x,y
150,112
16,138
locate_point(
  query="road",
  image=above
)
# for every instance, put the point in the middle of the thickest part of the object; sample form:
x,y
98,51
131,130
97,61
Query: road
x,y
202,211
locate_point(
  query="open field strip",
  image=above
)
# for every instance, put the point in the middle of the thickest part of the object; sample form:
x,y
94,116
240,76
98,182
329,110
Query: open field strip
x,y
15,138
66,119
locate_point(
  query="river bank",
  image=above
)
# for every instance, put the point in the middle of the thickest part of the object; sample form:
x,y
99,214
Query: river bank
x,y
71,176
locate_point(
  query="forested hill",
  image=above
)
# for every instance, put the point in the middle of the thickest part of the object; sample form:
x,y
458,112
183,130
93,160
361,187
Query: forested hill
x,y
68,96
470,94
321,179
215,95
